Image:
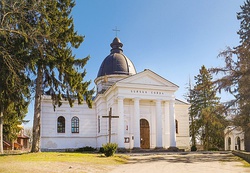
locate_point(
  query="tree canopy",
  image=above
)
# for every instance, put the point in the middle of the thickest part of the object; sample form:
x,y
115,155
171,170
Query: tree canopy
x,y
236,74
207,124
14,83
45,37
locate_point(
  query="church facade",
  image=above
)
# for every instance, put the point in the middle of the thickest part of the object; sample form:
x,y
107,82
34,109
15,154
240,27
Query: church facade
x,y
134,110
234,138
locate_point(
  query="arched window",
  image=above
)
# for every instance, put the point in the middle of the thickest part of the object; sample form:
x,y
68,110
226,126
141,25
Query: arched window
x,y
176,126
75,125
61,124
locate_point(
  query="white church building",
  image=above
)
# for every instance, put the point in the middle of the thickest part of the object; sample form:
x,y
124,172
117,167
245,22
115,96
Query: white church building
x,y
234,138
145,113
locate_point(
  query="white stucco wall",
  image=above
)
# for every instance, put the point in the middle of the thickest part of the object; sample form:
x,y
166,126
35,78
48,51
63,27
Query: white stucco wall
x,y
88,133
181,115
151,90
50,139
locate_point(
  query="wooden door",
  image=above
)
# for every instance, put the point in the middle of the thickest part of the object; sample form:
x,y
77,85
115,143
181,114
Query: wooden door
x,y
144,134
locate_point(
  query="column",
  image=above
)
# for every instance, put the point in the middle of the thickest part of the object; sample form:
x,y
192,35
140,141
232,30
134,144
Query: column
x,y
120,123
137,141
158,124
226,144
167,126
172,124
233,142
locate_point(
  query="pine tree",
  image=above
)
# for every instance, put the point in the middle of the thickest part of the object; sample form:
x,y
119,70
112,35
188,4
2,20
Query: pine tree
x,y
44,36
13,96
207,124
236,74
192,115
14,90
13,118
57,71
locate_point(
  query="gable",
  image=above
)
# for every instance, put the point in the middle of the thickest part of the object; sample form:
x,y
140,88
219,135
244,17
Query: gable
x,y
148,80
147,77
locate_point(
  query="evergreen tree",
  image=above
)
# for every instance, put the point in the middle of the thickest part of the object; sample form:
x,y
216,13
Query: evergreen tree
x,y
44,36
13,96
57,71
206,123
13,118
14,83
236,74
192,116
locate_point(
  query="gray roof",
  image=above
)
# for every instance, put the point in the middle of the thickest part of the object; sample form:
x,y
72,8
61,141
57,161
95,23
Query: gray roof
x,y
116,62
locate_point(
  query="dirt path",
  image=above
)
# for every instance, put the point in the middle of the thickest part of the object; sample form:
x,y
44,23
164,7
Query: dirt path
x,y
183,163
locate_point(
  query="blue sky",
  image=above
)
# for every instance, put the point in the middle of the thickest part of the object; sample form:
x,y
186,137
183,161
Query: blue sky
x,y
172,38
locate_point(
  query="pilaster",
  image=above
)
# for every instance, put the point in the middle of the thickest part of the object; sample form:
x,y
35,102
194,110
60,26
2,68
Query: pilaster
x,y
172,123
158,124
136,123
121,123
167,126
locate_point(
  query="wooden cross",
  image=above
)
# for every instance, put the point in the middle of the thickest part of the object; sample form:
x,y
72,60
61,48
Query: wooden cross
x,y
116,30
110,117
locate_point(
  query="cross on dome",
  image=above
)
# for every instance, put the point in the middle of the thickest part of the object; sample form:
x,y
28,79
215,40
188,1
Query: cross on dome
x,y
116,30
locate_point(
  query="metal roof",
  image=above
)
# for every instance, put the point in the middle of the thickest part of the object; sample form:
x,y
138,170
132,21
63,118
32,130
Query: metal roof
x,y
116,62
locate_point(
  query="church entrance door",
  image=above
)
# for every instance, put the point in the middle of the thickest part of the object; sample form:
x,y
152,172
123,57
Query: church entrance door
x,y
144,134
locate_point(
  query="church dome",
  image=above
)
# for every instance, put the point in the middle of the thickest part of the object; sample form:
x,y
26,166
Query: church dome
x,y
116,63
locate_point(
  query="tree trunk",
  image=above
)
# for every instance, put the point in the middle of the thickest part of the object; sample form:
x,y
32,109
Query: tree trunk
x,y
193,134
12,144
206,139
37,111
1,129
247,139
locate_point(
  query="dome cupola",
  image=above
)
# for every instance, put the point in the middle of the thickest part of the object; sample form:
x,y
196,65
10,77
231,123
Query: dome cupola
x,y
115,66
116,63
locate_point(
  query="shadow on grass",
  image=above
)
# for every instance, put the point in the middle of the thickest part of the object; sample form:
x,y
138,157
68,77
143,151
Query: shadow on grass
x,y
184,158
15,152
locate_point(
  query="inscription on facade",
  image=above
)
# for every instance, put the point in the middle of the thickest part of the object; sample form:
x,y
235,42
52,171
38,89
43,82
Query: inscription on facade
x,y
147,92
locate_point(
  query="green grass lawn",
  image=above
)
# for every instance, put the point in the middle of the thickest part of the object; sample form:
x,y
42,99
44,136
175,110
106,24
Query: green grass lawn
x,y
59,162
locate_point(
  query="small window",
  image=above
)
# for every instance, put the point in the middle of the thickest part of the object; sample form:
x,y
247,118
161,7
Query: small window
x,y
61,124
75,125
99,124
176,126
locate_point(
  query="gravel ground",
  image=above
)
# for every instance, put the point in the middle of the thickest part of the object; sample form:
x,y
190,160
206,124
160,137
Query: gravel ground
x,y
182,163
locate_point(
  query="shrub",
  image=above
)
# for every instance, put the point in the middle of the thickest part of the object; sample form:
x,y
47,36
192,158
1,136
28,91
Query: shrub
x,y
109,149
101,150
85,149
213,149
88,148
193,148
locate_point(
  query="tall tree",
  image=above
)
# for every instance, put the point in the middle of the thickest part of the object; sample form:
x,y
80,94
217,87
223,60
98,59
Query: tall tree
x,y
13,81
236,74
192,115
56,69
13,96
47,35
13,118
206,123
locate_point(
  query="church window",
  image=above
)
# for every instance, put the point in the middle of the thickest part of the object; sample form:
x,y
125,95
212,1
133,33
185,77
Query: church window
x,y
176,127
61,124
99,124
75,125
